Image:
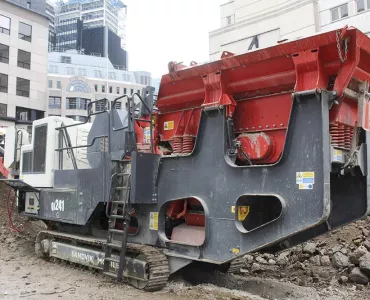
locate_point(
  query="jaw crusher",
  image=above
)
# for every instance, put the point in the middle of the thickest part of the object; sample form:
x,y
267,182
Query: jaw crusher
x,y
258,151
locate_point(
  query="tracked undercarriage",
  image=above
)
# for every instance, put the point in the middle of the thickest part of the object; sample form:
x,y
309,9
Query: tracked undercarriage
x,y
146,267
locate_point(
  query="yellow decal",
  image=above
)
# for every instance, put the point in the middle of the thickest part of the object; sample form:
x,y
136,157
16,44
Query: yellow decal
x,y
153,224
243,212
235,250
169,125
233,209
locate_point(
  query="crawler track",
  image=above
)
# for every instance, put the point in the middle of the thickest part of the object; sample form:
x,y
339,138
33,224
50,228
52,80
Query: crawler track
x,y
157,261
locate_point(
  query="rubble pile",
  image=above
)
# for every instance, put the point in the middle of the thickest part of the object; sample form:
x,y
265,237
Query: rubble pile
x,y
339,257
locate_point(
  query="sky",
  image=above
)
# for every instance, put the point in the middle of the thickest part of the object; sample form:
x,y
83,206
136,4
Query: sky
x,y
160,31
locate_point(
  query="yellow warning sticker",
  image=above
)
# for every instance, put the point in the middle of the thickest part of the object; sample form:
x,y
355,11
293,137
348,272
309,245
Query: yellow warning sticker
x,y
305,180
153,223
233,209
243,212
169,125
235,250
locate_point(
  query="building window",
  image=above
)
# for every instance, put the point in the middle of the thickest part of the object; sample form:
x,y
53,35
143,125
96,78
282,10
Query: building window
x,y
3,83
59,85
54,102
103,88
100,106
24,59
118,105
228,20
50,84
25,32
339,12
4,25
4,54
362,5
53,69
125,91
98,74
23,87
3,110
65,59
112,75
117,89
26,114
110,89
96,87
78,86
77,103
70,71
82,72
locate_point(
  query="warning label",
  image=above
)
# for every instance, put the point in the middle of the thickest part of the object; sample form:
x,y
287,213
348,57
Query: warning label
x,y
147,135
153,223
305,180
169,125
338,156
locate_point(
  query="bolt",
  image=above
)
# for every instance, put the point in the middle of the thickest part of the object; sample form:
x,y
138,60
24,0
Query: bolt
x,y
267,126
259,127
281,124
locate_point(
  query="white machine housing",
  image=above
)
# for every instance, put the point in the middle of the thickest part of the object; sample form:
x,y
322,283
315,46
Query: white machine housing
x,y
39,159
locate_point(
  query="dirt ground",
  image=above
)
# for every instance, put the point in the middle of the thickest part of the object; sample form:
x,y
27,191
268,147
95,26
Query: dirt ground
x,y
23,275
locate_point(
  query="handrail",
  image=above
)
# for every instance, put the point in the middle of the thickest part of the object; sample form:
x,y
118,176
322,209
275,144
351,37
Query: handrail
x,y
68,142
88,114
95,101
83,146
114,107
142,101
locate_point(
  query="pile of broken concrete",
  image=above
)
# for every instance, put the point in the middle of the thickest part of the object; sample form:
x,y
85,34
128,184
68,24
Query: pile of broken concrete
x,y
319,262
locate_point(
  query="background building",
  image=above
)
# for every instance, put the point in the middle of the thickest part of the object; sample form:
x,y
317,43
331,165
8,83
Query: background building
x,y
247,25
38,6
23,63
92,27
75,80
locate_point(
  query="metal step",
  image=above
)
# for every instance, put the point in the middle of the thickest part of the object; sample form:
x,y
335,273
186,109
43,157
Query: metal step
x,y
114,246
112,260
121,160
118,202
123,174
110,274
117,217
116,231
121,188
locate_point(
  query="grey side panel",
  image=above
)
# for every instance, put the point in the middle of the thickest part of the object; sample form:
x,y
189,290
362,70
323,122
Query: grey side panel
x,y
218,184
144,171
60,205
90,186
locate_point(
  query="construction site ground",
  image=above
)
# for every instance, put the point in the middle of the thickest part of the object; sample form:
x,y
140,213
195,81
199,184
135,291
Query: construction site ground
x,y
23,275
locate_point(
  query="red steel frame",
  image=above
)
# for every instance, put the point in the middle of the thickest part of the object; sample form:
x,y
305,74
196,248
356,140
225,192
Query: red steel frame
x,y
256,87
